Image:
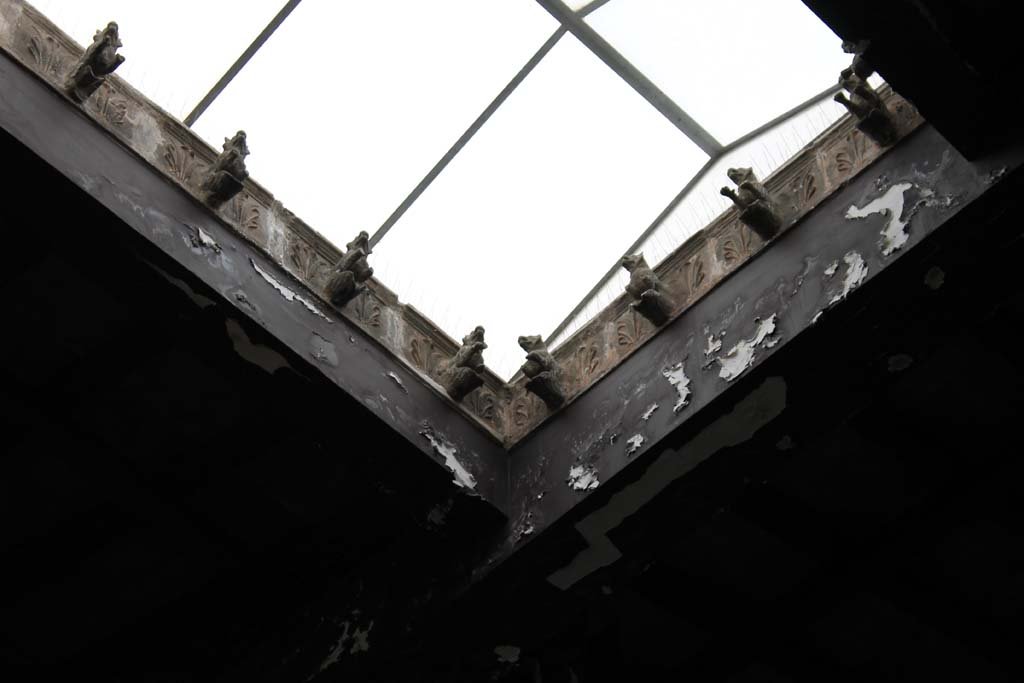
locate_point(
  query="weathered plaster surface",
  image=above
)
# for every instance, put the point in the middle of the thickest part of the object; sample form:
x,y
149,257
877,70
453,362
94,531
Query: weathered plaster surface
x,y
741,357
763,308
345,351
505,411
676,376
755,411
447,451
890,204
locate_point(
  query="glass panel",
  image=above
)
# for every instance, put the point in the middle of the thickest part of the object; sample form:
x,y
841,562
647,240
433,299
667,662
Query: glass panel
x,y
731,64
704,203
529,215
350,104
174,51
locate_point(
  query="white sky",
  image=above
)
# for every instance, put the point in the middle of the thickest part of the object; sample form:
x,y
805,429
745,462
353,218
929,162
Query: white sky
x,y
352,102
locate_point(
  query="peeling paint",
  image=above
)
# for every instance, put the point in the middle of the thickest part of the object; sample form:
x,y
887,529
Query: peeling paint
x,y
507,654
447,451
200,239
995,175
714,346
582,478
524,528
832,268
856,272
894,234
757,409
323,351
397,380
676,376
243,300
287,293
817,317
741,357
650,411
635,442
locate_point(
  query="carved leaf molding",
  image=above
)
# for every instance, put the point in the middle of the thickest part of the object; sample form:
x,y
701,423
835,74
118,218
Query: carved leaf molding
x,y
367,310
586,361
850,153
629,329
244,213
45,51
425,356
522,411
736,246
181,162
307,263
484,405
109,106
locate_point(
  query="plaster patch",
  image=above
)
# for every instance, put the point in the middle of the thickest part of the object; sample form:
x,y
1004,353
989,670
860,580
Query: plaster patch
x,y
995,175
856,272
243,300
200,239
323,351
894,234
714,346
650,411
6,22
635,442
507,654
447,451
757,409
397,380
582,478
676,376
288,294
148,139
741,357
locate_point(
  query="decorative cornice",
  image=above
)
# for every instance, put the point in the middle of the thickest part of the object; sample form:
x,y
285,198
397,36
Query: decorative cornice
x,y
505,411
707,258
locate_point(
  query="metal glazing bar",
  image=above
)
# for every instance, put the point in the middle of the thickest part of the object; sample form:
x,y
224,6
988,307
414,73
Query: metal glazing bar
x,y
241,62
634,77
782,118
679,198
475,126
467,136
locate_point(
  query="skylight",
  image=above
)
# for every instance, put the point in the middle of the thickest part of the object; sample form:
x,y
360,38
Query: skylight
x,y
730,64
502,154
529,214
350,104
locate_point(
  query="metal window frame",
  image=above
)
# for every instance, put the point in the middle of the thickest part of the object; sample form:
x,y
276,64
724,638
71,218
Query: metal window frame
x,y
570,21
